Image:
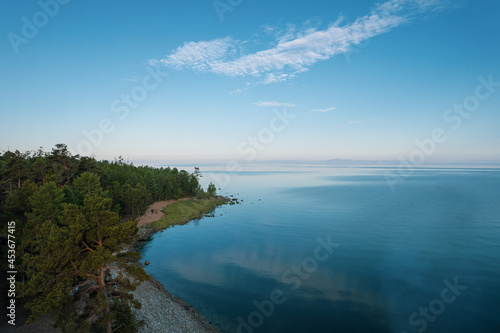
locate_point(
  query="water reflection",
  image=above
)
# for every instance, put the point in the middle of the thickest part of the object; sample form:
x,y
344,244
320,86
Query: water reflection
x,y
396,250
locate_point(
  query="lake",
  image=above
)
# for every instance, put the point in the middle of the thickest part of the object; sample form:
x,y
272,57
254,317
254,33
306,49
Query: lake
x,y
315,248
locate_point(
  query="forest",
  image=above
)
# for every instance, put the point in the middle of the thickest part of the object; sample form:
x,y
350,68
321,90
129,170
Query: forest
x,y
74,221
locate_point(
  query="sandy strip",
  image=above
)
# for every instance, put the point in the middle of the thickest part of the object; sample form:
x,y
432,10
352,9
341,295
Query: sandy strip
x,y
157,213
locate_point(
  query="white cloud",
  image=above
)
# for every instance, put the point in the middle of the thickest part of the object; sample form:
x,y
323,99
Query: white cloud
x,y
238,92
295,51
275,104
324,110
355,122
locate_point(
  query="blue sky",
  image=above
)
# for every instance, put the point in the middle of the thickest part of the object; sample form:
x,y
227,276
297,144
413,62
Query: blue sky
x,y
358,80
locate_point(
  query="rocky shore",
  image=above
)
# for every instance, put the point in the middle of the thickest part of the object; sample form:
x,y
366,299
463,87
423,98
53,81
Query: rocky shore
x,y
163,312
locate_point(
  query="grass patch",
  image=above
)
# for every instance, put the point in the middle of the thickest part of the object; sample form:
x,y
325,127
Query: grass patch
x,y
181,212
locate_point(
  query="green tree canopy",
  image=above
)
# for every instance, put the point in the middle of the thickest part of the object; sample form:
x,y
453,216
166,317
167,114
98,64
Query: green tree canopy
x,y
88,184
85,249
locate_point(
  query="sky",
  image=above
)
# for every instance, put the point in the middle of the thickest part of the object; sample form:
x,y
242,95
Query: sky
x,y
225,80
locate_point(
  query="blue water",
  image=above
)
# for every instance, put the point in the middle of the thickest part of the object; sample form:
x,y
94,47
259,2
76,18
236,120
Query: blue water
x,y
422,256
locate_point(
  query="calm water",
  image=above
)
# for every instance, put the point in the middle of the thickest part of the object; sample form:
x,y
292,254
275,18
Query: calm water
x,y
424,257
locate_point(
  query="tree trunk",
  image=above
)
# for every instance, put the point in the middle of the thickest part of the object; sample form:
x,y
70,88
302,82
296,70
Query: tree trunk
x,y
66,171
102,283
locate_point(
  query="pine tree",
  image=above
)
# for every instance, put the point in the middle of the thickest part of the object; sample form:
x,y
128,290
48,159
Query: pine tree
x,y
46,205
211,190
88,184
78,266
18,202
70,238
14,164
64,161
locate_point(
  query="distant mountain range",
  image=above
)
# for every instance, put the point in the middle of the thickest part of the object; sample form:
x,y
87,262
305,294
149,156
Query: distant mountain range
x,y
330,162
347,161
341,161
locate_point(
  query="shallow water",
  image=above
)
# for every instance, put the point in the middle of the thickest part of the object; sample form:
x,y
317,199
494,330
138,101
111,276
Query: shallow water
x,y
422,256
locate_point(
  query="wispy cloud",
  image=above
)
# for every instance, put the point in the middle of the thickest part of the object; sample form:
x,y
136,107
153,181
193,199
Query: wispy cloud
x,y
355,122
324,110
295,51
275,104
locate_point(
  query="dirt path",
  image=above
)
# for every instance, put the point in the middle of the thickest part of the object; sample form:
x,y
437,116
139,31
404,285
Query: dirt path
x,y
157,214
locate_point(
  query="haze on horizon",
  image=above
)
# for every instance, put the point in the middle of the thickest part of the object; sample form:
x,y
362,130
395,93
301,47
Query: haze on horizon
x,y
211,82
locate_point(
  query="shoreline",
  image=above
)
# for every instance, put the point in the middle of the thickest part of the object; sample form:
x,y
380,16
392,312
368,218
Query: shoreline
x,y
161,310
157,208
145,222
